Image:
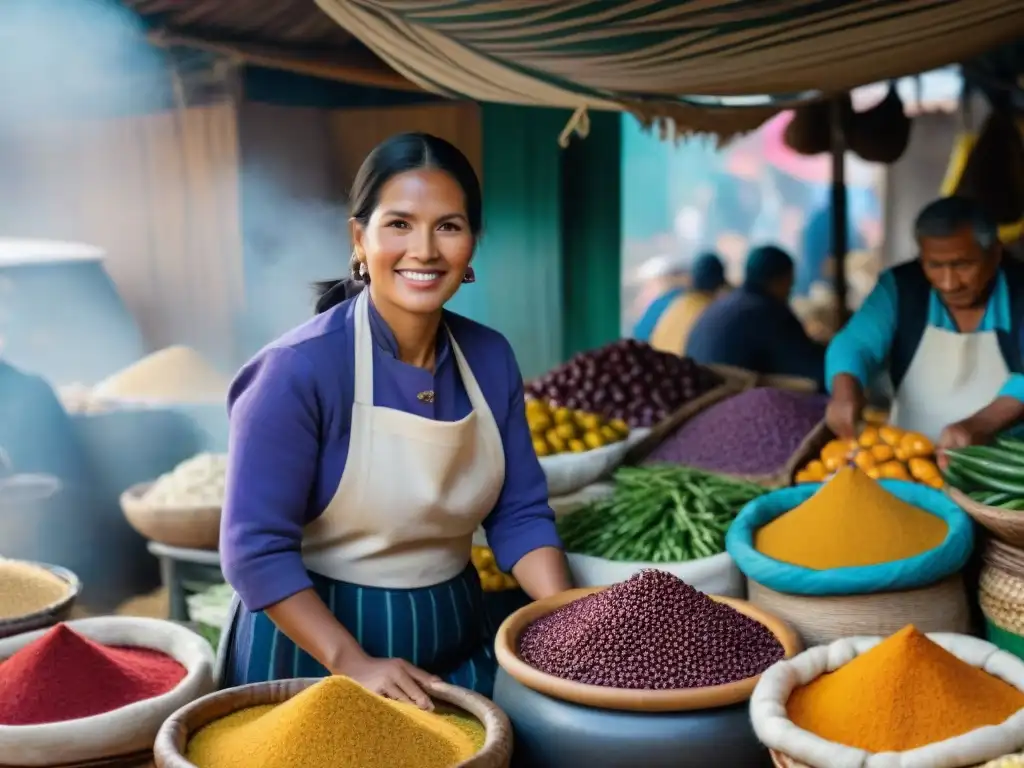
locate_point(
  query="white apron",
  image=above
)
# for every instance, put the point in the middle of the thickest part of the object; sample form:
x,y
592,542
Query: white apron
x,y
414,490
951,376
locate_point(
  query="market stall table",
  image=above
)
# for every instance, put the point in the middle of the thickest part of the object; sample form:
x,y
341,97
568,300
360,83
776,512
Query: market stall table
x,y
179,567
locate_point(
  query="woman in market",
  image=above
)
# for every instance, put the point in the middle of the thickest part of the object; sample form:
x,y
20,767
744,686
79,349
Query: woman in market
x,y
754,327
946,327
667,323
369,444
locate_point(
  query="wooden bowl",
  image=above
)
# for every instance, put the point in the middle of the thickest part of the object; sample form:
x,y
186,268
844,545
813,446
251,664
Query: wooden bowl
x,y
51,614
195,527
173,737
506,648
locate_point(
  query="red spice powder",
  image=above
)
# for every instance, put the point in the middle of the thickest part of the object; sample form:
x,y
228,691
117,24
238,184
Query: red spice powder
x,y
64,676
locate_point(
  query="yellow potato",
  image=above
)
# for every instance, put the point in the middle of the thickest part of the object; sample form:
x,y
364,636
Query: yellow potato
x,y
576,445
593,440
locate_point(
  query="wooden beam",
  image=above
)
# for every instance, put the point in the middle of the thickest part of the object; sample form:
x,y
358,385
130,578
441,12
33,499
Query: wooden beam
x,y
357,73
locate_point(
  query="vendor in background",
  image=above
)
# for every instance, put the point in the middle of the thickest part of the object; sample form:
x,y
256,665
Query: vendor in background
x,y
370,443
754,327
659,278
947,327
667,323
36,433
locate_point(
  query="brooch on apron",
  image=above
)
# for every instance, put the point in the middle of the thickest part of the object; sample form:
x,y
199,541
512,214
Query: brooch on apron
x,y
426,397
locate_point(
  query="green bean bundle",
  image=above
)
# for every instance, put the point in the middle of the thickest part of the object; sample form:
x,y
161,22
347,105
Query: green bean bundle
x,y
660,513
991,475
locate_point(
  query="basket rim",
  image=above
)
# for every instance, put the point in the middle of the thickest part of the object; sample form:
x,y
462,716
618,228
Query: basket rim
x,y
506,648
174,734
859,579
62,573
131,502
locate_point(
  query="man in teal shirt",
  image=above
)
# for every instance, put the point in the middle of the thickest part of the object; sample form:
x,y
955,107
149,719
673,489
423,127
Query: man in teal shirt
x,y
946,327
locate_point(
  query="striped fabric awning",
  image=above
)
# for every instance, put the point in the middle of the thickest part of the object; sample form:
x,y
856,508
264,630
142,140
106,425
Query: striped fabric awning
x,y
644,56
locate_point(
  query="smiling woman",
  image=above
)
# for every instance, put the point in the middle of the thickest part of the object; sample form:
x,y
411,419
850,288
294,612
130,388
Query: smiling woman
x,y
367,446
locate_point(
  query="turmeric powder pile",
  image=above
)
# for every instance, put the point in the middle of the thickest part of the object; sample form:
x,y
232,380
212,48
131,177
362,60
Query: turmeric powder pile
x,y
334,723
850,521
904,693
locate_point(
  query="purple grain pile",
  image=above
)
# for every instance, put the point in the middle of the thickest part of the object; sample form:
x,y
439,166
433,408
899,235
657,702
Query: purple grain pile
x,y
754,433
627,380
651,632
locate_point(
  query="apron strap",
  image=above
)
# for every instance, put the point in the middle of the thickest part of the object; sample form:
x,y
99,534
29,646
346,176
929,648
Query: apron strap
x,y
363,351
473,391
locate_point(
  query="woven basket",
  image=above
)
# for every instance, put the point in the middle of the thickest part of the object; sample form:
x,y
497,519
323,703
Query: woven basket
x,y
1001,595
739,382
51,614
1005,557
123,733
174,736
185,527
788,383
1004,524
506,648
732,384
941,607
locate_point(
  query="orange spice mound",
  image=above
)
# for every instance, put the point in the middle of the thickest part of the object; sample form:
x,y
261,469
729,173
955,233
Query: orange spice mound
x,y
904,693
850,521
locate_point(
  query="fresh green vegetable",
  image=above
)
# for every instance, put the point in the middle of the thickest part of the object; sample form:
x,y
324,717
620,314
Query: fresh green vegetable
x,y
991,475
658,514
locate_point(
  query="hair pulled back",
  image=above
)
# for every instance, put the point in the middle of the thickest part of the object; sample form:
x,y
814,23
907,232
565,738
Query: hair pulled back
x,y
399,154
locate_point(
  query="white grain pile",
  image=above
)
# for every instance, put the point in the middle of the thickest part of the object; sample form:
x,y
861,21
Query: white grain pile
x,y
173,375
196,482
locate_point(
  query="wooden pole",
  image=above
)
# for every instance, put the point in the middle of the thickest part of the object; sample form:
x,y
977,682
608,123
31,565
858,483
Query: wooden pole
x,y
840,224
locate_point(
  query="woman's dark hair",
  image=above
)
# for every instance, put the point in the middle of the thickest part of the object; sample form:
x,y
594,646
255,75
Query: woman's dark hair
x,y
399,154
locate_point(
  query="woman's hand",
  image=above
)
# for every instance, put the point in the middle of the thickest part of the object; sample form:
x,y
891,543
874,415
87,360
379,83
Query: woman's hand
x,y
396,679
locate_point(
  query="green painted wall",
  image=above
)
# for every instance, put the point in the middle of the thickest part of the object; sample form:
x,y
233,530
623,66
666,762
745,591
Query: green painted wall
x,y
548,265
592,235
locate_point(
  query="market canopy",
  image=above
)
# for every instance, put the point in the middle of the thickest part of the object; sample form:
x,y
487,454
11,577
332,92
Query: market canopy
x,y
642,56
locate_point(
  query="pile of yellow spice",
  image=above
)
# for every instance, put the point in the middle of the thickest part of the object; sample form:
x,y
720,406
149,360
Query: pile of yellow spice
x,y
850,521
336,723
904,693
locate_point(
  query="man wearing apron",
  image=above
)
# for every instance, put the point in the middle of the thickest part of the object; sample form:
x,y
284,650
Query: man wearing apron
x,y
367,447
947,329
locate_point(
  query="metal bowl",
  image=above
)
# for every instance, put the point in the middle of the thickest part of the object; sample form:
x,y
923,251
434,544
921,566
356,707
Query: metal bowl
x,y
50,615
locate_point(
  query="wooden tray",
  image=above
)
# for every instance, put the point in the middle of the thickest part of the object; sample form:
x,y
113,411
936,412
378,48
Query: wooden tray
x,y
507,651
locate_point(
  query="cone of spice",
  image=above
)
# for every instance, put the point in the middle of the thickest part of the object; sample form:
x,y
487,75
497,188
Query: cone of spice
x,y
850,521
64,676
26,589
904,693
651,632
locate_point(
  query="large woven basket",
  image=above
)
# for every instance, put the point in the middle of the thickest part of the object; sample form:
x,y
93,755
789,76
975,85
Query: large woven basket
x,y
1005,557
941,607
807,449
186,527
50,615
1004,524
506,646
173,738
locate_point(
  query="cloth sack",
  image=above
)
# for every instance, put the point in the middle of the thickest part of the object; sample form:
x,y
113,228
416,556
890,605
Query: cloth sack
x,y
775,730
911,573
717,575
126,730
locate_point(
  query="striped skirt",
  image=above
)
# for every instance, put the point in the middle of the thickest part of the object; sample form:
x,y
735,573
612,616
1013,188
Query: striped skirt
x,y
443,629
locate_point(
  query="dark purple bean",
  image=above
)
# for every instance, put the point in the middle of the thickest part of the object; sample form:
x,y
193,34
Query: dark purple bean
x,y
652,632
